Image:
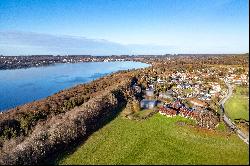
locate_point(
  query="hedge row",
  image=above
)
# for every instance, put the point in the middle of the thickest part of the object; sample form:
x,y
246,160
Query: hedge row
x,y
62,131
20,121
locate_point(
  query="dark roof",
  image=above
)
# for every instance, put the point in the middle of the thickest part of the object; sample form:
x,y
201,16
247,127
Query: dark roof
x,y
145,100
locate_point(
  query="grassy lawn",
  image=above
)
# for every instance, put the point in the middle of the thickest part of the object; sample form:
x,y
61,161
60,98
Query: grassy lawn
x,y
143,113
158,140
238,106
222,127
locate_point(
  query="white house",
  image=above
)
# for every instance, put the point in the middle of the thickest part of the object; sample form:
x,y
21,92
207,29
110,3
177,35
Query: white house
x,y
148,104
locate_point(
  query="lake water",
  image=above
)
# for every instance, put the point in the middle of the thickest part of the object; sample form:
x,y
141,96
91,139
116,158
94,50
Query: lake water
x,y
21,86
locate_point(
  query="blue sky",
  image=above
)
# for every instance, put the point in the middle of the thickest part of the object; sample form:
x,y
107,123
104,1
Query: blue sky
x,y
127,26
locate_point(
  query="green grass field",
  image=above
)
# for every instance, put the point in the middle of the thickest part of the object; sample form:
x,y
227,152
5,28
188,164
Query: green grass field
x,y
158,140
238,106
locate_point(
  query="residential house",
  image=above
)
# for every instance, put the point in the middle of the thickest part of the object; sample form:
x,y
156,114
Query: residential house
x,y
160,81
169,112
149,92
148,104
165,95
197,102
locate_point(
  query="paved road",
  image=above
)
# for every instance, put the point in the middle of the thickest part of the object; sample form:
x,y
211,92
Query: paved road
x,y
227,120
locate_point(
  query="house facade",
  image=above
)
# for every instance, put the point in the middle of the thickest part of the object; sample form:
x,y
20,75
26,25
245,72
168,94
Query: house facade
x,y
148,104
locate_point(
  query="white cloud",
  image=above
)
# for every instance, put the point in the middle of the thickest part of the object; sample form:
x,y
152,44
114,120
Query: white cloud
x,y
35,43
27,43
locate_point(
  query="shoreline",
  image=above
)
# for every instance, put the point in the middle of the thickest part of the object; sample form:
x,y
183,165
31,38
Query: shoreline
x,y
60,63
71,86
23,62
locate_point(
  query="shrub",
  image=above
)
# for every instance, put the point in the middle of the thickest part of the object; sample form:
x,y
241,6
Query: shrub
x,y
61,131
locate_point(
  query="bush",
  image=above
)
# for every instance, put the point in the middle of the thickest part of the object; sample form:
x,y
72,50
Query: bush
x,y
30,114
54,135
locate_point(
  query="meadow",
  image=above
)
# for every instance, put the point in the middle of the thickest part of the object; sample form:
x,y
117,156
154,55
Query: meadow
x,y
159,140
237,106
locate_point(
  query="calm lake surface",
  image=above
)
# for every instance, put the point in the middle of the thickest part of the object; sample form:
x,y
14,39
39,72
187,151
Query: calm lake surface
x,y
21,86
